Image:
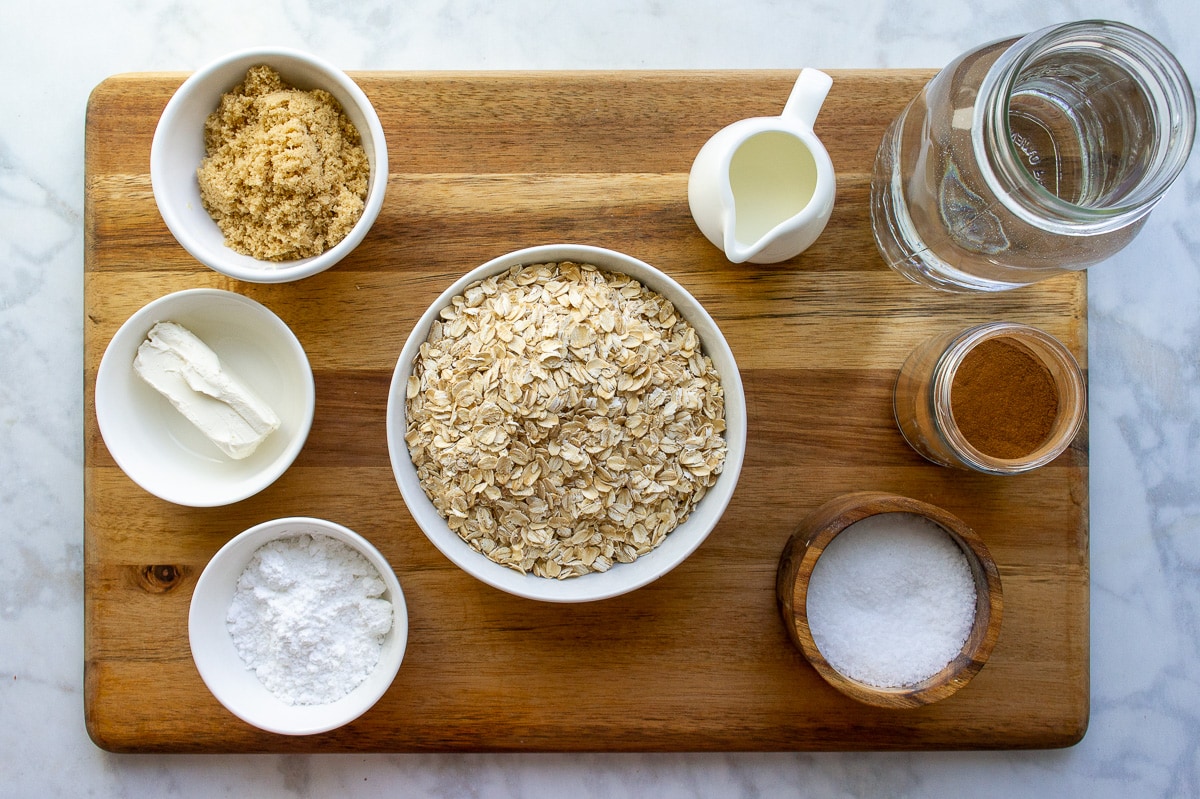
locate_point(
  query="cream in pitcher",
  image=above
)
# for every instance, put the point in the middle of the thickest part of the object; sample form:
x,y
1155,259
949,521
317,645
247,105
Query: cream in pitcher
x,y
762,189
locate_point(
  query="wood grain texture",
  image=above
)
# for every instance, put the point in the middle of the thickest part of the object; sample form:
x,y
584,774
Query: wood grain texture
x,y
482,164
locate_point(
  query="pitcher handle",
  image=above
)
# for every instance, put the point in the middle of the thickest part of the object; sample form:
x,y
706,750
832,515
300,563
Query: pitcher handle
x,y
804,103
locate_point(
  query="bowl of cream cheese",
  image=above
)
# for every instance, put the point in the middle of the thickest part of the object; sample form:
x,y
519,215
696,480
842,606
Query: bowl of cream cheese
x,y
204,397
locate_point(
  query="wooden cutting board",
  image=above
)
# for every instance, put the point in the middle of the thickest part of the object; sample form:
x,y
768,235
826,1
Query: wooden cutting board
x,y
482,164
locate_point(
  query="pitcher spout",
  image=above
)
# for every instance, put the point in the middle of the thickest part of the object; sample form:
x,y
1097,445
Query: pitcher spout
x,y
735,250
739,250
785,240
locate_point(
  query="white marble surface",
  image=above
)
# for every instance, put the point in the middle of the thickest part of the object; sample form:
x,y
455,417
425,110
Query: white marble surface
x,y
1144,738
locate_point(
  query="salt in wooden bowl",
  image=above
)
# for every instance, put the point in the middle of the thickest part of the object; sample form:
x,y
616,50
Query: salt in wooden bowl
x,y
818,530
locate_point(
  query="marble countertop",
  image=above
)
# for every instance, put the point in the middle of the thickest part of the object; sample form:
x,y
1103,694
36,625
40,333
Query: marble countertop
x,y
1144,737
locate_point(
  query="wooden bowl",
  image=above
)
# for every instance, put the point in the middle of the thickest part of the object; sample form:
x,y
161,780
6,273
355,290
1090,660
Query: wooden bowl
x,y
800,557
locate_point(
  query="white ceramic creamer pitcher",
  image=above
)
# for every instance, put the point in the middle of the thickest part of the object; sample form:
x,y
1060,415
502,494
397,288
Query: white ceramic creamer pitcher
x,y
762,189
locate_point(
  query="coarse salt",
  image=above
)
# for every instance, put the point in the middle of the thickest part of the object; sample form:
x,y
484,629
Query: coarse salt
x,y
891,600
308,617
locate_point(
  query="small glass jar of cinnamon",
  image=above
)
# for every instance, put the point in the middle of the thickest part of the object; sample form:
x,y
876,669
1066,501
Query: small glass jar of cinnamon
x,y
999,398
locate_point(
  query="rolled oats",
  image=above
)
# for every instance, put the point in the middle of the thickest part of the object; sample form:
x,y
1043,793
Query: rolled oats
x,y
562,418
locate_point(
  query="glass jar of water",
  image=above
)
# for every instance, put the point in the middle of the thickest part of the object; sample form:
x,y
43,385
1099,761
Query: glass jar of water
x,y
1028,157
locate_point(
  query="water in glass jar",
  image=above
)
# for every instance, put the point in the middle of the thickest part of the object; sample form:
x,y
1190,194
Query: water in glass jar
x,y
1078,125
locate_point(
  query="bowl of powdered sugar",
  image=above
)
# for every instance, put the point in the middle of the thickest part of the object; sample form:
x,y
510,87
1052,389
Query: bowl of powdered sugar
x,y
298,626
894,602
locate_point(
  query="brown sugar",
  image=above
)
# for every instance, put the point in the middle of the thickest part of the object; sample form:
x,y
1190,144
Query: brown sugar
x,y
285,175
1004,399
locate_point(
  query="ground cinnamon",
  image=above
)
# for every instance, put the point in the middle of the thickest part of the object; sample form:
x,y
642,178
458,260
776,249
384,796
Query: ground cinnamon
x,y
1004,399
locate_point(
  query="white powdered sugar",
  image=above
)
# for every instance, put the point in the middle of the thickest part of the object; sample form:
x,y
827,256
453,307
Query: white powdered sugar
x,y
891,600
309,618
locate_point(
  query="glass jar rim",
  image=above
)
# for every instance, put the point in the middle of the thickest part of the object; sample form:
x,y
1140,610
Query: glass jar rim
x,y
997,154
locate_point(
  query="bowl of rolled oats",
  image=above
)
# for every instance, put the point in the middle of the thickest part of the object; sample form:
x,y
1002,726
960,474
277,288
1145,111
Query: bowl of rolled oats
x,y
566,423
269,165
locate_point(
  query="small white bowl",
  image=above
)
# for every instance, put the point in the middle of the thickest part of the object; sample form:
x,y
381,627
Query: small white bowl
x,y
178,149
225,673
622,577
161,450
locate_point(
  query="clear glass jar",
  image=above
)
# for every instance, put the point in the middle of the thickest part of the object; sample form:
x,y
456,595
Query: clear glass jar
x,y
924,408
1028,157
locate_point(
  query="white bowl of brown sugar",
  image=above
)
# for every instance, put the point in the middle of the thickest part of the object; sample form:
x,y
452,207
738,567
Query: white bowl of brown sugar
x,y
566,423
269,165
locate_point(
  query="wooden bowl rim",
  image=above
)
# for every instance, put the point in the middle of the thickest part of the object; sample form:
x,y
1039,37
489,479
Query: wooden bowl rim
x,y
809,541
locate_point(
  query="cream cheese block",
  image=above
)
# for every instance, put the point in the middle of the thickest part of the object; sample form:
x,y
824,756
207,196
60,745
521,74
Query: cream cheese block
x,y
189,374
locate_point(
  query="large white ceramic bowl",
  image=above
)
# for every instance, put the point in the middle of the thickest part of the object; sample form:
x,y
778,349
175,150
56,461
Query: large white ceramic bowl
x,y
161,450
178,149
622,577
225,673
